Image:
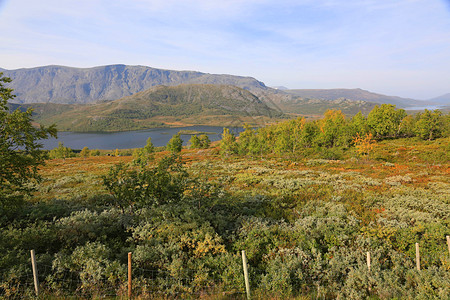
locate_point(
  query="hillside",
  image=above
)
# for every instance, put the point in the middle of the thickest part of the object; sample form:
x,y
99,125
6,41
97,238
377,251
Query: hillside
x,y
59,84
159,106
444,99
356,95
319,106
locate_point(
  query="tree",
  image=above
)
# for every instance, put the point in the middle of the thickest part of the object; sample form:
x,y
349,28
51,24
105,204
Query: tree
x,y
446,120
228,143
195,142
175,144
85,152
20,152
149,148
205,142
308,134
245,139
384,121
359,125
429,124
61,152
333,128
142,156
284,138
406,128
265,140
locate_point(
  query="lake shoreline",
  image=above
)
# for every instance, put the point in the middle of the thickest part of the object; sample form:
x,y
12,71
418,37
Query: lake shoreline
x,y
134,138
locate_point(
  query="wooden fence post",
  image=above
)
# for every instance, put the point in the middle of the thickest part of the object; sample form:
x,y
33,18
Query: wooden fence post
x,y
448,243
129,276
417,257
368,267
35,273
247,282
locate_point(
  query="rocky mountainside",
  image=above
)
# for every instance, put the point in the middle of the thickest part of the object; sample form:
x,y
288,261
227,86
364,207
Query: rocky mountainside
x,y
355,95
59,84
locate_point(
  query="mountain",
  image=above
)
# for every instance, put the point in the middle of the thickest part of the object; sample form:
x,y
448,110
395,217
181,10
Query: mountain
x,y
356,95
187,104
59,84
444,99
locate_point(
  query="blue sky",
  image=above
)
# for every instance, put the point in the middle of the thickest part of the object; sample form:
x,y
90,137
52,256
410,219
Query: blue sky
x,y
394,47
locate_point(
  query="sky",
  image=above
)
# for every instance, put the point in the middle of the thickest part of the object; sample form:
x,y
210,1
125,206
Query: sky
x,y
392,47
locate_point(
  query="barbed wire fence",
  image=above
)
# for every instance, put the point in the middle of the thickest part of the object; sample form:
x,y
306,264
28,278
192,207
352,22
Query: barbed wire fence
x,y
145,283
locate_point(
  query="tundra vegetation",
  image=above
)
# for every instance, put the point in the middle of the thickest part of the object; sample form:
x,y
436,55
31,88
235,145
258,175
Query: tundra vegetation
x,y
306,200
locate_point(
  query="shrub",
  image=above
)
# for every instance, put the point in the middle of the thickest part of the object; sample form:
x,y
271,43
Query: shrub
x,y
175,144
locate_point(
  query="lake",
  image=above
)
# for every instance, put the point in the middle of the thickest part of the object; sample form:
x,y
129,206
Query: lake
x,y
129,139
429,107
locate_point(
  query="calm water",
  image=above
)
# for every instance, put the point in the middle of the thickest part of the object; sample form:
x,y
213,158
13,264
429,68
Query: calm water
x,y
429,107
129,139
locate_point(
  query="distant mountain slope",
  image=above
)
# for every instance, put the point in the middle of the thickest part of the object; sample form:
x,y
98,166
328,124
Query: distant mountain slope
x,y
320,106
158,106
354,94
59,84
444,99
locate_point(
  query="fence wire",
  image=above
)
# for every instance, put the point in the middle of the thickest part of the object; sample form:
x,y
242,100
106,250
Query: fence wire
x,y
146,283
18,282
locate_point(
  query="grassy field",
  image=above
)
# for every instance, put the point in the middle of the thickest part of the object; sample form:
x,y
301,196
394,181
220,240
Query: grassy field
x,y
423,162
305,222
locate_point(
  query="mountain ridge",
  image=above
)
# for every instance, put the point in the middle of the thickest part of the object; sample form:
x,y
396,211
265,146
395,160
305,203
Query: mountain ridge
x,y
356,94
61,84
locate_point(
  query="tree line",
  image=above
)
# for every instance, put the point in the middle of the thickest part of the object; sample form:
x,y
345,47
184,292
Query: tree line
x,y
334,130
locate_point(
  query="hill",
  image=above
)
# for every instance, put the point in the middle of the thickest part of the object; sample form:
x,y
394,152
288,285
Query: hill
x,y
221,105
319,106
355,95
444,99
59,84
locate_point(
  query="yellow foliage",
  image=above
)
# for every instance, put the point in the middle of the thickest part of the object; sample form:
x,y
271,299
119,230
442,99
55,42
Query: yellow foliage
x,y
208,245
331,116
364,145
201,246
